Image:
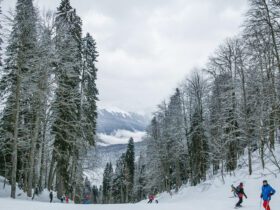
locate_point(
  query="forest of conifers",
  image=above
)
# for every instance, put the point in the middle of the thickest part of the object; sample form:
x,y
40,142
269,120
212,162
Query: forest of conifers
x,y
226,110
49,96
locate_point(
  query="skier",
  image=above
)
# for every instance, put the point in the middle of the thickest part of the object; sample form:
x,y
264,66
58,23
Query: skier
x,y
151,198
86,202
51,196
67,199
267,192
62,199
240,192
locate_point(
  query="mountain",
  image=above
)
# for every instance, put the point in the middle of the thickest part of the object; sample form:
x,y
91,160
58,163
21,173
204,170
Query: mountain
x,y
110,121
115,126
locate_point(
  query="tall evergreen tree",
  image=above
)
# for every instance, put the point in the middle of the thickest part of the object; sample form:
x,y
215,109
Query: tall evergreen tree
x,y
66,108
19,70
107,183
129,167
89,90
118,186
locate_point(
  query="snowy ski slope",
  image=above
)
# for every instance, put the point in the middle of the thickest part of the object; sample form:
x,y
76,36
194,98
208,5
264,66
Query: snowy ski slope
x,y
210,195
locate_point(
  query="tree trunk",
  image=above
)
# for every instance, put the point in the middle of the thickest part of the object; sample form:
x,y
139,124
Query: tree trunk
x,y
178,177
51,173
15,136
32,153
42,166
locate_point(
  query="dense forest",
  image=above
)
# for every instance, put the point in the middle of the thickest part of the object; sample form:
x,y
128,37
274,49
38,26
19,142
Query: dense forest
x,y
48,92
225,111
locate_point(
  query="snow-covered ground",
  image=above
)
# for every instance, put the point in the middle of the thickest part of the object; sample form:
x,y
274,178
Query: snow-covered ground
x,y
213,194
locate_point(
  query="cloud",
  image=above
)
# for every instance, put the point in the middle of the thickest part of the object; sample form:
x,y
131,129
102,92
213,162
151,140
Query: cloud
x,y
146,47
121,137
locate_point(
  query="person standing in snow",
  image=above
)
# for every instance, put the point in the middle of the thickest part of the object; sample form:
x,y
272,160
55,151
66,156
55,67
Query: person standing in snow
x,y
151,198
240,192
86,202
267,192
51,196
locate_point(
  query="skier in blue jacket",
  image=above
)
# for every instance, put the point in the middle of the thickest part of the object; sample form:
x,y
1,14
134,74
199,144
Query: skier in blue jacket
x,y
267,192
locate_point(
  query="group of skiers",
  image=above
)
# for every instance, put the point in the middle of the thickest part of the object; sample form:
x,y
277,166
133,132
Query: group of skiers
x,y
267,192
64,198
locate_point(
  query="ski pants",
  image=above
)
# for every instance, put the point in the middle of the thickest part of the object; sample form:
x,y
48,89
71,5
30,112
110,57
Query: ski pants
x,y
266,205
239,202
150,201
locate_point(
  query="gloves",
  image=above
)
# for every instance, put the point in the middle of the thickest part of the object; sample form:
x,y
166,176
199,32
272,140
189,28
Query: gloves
x,y
246,196
261,196
270,194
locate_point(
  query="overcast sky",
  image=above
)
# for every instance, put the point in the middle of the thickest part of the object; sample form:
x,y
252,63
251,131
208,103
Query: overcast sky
x,y
147,47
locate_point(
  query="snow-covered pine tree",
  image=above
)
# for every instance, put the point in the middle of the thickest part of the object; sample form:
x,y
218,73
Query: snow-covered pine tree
x,y
157,173
177,141
129,165
95,194
107,183
118,186
66,107
139,179
20,66
89,90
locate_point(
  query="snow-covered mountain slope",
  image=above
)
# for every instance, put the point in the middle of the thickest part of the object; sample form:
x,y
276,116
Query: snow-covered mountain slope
x,y
213,194
110,121
115,126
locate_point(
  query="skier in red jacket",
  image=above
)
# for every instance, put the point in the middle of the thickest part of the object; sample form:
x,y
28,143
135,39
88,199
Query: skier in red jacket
x,y
151,198
240,192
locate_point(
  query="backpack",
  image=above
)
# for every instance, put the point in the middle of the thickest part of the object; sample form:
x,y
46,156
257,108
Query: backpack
x,y
237,189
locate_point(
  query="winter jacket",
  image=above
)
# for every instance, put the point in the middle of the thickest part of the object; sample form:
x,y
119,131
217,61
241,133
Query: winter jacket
x,y
240,191
151,197
267,191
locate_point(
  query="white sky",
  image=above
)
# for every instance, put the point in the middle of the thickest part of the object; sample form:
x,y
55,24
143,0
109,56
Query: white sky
x,y
147,47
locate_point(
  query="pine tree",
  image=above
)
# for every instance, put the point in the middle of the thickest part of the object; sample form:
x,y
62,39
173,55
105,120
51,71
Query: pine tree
x,y
177,141
89,90
19,69
139,179
66,108
129,166
118,186
107,183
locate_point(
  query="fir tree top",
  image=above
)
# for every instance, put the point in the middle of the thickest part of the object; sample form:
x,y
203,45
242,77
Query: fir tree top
x,y
64,6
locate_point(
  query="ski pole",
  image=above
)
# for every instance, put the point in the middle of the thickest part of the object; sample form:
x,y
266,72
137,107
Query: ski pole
x,y
260,203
